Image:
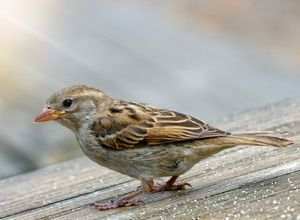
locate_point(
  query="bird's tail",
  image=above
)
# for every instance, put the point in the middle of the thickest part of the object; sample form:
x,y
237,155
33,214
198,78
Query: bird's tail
x,y
210,146
255,139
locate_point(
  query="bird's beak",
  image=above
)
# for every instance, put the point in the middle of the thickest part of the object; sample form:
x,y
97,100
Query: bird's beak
x,y
48,114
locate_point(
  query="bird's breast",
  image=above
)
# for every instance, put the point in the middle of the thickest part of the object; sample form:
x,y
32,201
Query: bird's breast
x,y
141,163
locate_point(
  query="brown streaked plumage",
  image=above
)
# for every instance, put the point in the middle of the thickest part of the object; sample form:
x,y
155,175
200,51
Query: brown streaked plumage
x,y
139,140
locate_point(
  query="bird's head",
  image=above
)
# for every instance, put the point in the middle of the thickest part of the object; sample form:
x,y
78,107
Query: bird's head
x,y
73,106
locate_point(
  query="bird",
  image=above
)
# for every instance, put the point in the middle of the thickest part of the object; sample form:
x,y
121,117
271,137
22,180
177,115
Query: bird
x,y
140,140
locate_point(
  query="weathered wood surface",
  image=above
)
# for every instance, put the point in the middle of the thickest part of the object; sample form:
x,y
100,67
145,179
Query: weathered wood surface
x,y
243,182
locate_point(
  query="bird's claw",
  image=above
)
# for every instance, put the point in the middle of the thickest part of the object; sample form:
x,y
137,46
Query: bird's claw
x,y
118,203
168,187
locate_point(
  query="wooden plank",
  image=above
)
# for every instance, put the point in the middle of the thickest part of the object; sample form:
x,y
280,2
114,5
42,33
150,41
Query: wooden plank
x,y
239,182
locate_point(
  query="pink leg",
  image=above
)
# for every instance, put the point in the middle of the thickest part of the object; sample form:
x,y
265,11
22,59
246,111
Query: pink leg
x,y
170,185
131,198
127,200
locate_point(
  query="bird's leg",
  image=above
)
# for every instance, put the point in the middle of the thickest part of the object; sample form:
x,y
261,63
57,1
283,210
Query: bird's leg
x,y
127,200
170,185
131,199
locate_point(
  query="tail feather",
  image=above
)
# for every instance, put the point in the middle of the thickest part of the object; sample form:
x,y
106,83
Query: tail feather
x,y
258,139
210,146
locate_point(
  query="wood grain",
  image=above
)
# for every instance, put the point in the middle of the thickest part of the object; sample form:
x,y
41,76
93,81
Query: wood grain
x,y
243,182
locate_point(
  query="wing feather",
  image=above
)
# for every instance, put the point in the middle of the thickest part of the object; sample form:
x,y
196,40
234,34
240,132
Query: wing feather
x,y
155,126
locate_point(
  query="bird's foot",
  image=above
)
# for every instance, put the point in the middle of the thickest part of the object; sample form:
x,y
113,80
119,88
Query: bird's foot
x,y
170,185
166,187
128,200
118,203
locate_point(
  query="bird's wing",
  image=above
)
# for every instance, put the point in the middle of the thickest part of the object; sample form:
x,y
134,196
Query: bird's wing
x,y
137,127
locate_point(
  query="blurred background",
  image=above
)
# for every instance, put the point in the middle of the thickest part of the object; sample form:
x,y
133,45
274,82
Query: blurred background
x,y
207,58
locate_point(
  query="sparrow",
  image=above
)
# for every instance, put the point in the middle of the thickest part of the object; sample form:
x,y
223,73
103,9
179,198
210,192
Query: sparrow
x,y
139,140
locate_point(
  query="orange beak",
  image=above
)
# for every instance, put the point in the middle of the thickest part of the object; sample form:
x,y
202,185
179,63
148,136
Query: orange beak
x,y
48,114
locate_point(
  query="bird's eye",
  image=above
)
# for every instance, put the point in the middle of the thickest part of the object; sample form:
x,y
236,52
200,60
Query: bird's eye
x,y
67,103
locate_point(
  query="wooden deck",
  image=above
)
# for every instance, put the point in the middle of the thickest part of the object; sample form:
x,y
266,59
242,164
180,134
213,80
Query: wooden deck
x,y
240,183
